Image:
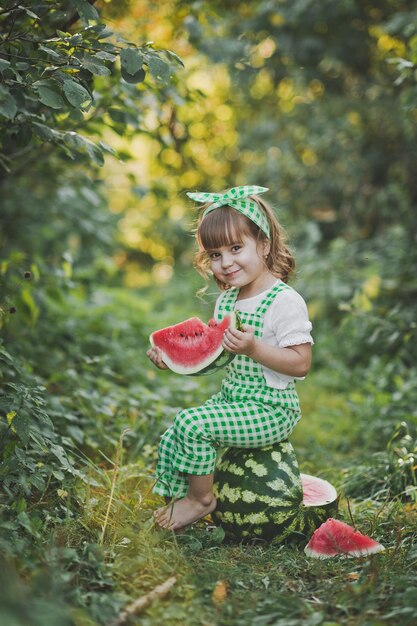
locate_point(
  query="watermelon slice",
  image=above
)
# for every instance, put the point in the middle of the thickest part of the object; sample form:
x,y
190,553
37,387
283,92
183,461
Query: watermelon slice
x,y
193,347
335,538
320,501
316,491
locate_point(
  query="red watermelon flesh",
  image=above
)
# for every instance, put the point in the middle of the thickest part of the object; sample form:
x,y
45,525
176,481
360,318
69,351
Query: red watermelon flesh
x,y
335,538
316,491
192,346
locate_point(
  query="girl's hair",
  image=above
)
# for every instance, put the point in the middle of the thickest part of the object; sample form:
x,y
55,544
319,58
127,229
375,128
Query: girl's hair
x,y
225,225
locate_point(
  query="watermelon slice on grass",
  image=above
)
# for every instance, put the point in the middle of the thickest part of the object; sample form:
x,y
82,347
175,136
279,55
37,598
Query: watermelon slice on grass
x,y
194,348
335,538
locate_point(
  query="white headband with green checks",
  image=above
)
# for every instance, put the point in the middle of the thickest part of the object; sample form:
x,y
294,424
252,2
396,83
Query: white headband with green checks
x,y
237,198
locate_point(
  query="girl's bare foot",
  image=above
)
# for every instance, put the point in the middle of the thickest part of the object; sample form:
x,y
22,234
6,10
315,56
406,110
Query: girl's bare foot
x,y
184,512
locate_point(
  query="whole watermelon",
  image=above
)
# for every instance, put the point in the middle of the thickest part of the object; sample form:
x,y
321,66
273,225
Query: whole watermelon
x,y
260,495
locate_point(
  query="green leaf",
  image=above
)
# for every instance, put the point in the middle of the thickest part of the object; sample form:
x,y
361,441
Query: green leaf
x,y
160,69
137,77
87,12
63,35
26,522
103,31
106,148
8,106
76,115
117,115
78,144
44,132
37,481
21,505
174,57
4,64
6,355
217,535
131,60
49,94
190,542
21,424
59,452
77,95
75,39
51,52
106,56
94,66
33,308
29,12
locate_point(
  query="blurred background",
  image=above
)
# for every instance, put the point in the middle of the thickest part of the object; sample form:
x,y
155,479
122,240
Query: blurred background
x,y
109,112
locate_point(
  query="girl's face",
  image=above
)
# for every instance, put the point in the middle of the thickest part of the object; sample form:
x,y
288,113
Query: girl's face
x,y
241,264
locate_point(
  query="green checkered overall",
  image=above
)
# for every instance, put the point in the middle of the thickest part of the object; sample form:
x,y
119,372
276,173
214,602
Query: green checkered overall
x,y
246,413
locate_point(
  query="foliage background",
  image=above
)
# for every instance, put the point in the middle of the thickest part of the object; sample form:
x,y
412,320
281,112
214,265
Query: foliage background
x,y
101,133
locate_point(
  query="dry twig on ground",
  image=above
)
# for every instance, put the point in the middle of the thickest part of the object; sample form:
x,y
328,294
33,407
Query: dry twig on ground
x,y
143,602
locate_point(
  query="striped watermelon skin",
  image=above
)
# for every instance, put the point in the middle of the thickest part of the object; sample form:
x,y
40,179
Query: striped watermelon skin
x,y
260,496
225,357
222,361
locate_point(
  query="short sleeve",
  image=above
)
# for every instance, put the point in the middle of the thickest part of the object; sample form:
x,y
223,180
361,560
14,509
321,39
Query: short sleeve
x,y
289,319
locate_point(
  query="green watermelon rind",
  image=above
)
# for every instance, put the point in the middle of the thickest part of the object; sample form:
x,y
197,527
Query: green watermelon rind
x,y
315,515
225,357
271,511
222,360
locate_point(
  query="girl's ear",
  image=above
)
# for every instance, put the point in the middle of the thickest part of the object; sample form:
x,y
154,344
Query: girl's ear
x,y
266,248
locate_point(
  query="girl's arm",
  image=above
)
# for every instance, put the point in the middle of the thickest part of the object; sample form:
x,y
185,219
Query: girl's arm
x,y
291,361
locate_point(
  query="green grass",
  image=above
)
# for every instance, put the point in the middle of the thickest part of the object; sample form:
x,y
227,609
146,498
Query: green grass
x,y
102,551
235,585
325,437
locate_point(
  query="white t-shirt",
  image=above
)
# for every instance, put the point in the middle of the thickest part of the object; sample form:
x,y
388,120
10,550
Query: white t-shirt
x,y
286,324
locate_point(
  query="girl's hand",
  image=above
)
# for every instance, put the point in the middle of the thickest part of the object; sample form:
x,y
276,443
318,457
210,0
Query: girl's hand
x,y
155,356
239,342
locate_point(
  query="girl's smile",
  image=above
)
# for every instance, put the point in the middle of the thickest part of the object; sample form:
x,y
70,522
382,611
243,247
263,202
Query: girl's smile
x,y
231,274
241,264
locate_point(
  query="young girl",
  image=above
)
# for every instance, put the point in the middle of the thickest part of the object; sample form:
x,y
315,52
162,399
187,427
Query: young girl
x,y
242,245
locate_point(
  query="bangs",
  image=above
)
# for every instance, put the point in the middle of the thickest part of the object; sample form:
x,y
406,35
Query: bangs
x,y
222,227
